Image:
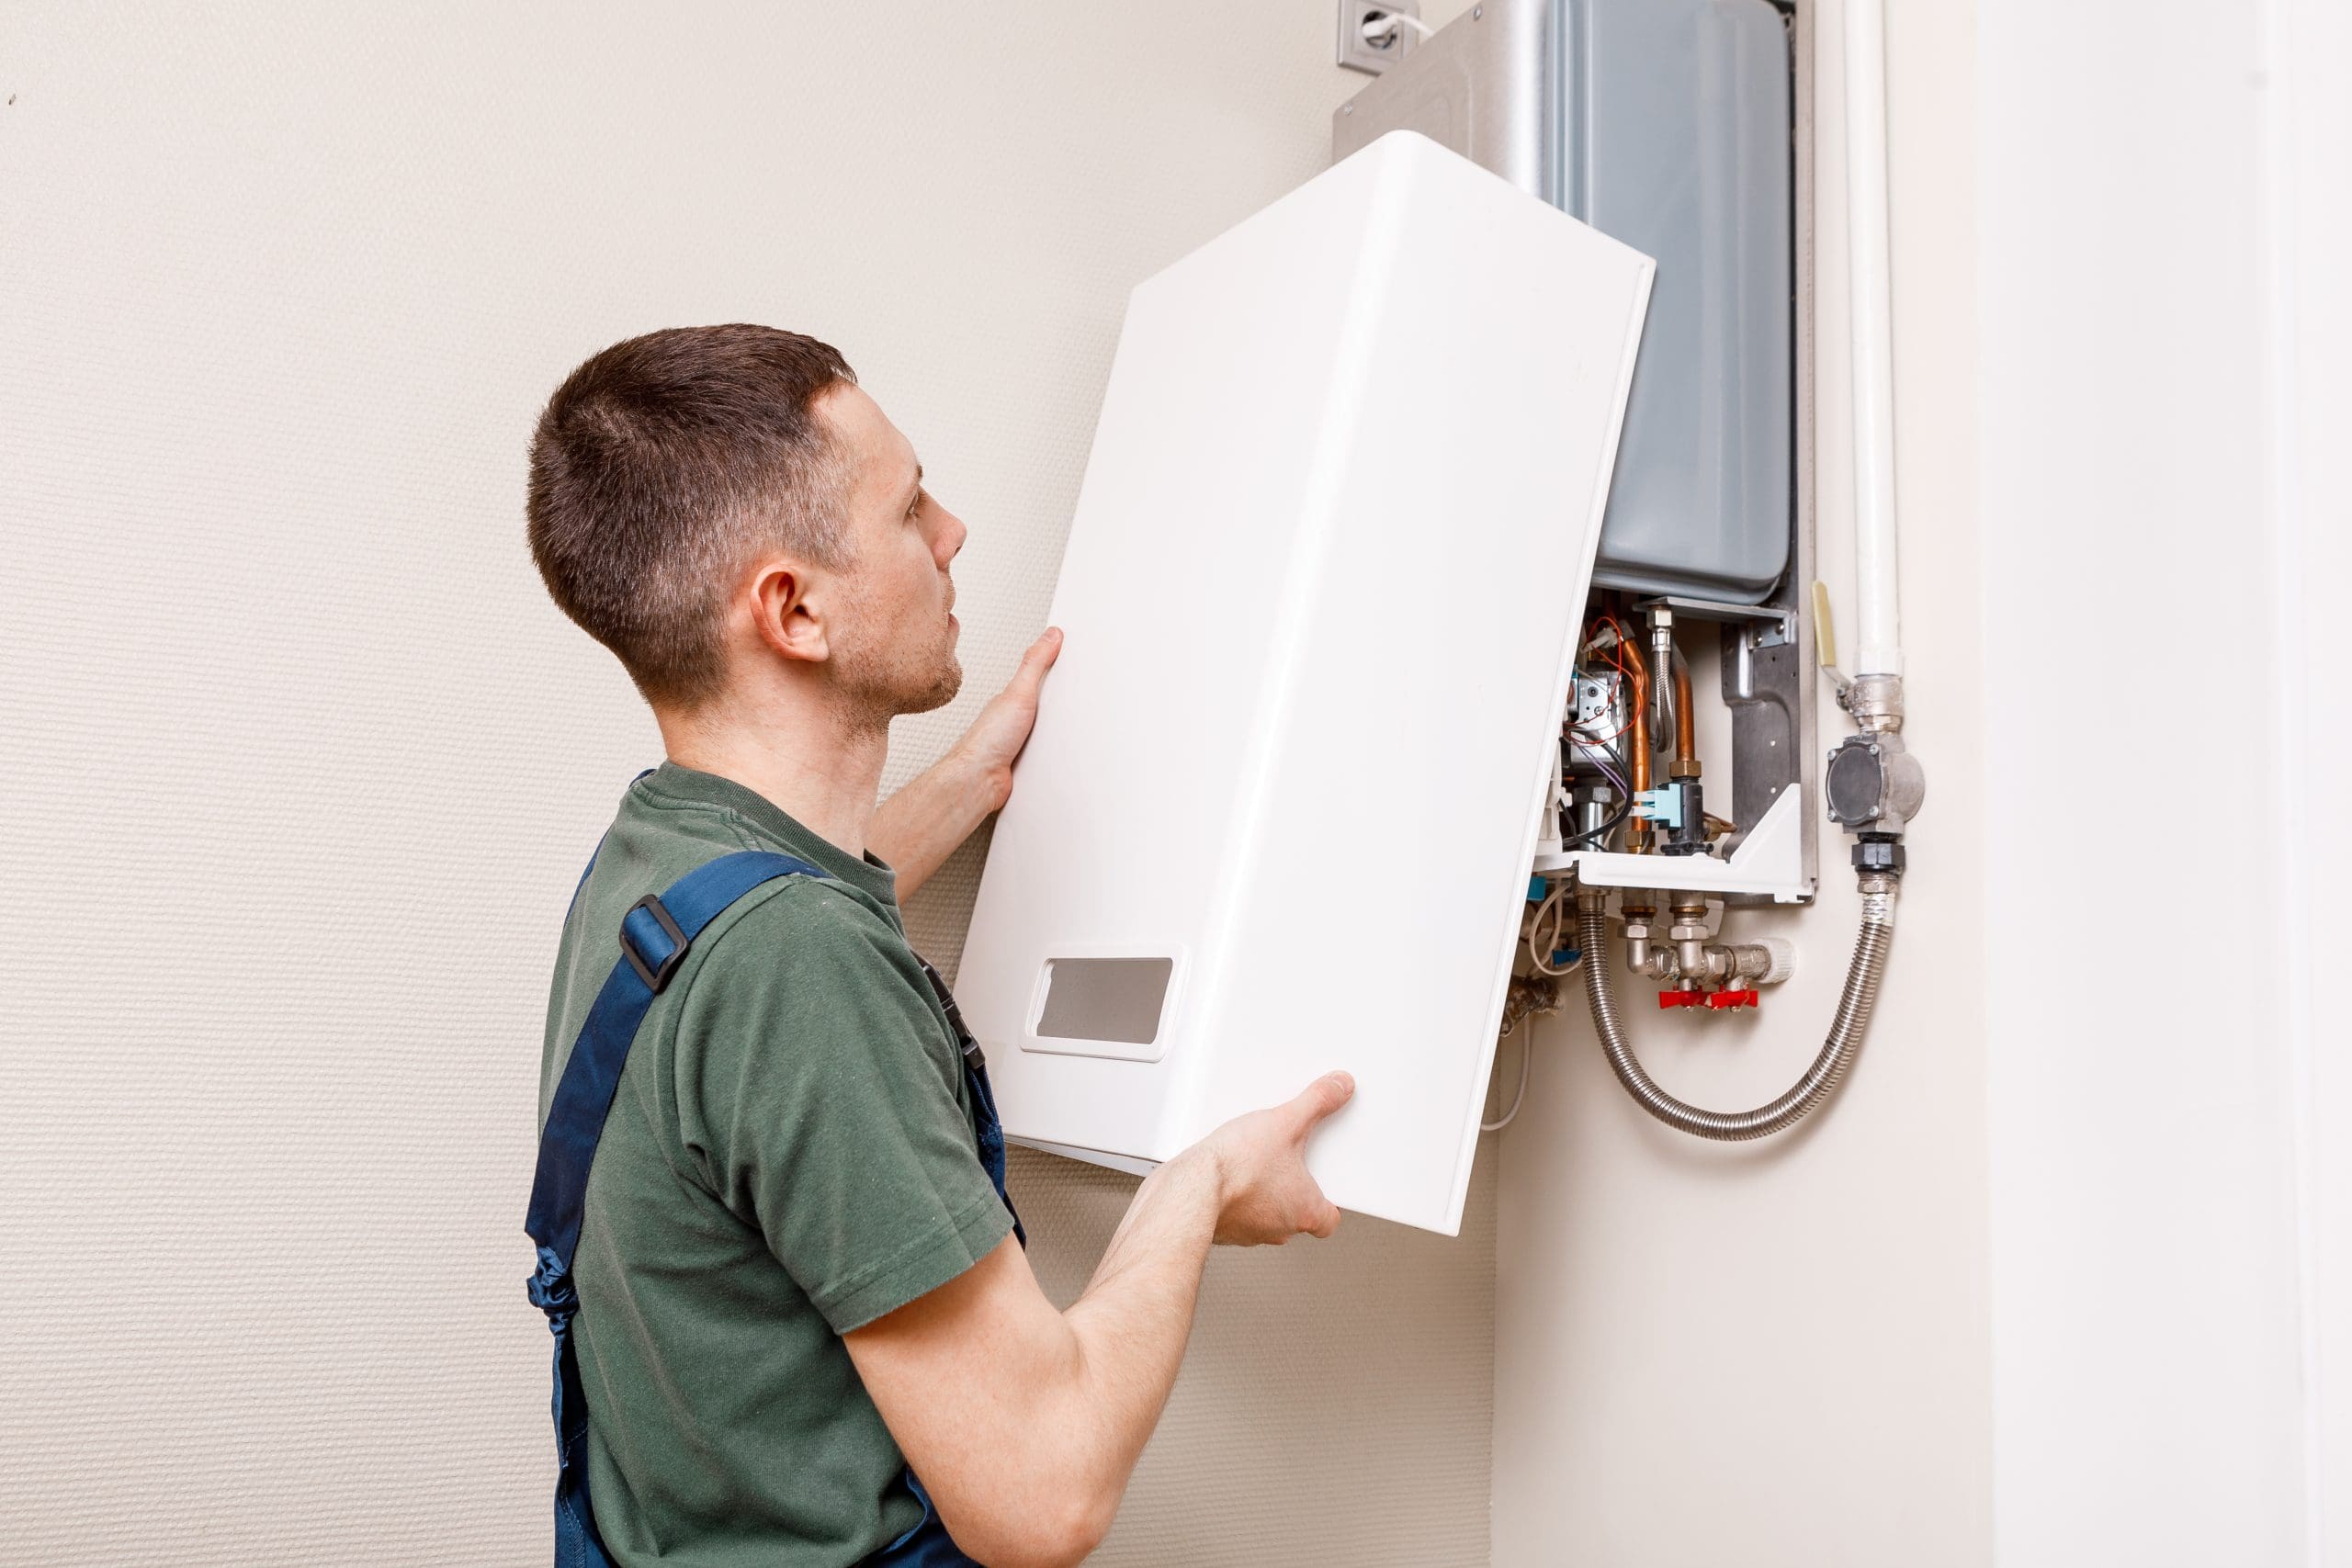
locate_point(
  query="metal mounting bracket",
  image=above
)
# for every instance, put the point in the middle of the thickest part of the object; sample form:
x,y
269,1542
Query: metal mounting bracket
x,y
1768,866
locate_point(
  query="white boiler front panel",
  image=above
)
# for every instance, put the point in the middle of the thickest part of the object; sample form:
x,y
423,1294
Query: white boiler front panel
x,y
1322,594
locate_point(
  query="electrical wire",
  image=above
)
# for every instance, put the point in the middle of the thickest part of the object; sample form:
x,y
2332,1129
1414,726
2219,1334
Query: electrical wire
x,y
1519,1097
1608,770
1539,954
1617,673
1385,24
1594,748
1599,837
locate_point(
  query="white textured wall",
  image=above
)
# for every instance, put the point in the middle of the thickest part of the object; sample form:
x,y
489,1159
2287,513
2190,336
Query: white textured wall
x,y
2164,263
300,764
2307,130
1776,1354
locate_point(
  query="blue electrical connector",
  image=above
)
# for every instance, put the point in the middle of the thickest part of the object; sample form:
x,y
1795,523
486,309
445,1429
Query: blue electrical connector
x,y
1660,805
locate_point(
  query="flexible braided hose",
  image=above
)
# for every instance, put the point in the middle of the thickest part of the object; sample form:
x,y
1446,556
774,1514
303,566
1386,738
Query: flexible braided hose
x,y
1820,1080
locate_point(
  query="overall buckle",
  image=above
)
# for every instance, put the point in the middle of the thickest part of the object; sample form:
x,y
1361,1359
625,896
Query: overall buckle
x,y
655,975
964,1037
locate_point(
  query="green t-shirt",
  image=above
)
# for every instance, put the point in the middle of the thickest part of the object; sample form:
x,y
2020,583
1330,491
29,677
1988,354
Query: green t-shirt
x,y
789,1156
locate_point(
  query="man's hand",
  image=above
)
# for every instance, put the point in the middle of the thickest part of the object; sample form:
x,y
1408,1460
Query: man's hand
x,y
1265,1196
920,826
989,747
1024,1422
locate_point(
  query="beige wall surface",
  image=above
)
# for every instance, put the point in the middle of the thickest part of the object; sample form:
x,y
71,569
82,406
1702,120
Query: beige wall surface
x,y
1776,1354
300,764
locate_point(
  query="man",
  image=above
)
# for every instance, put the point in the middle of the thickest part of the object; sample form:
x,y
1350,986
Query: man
x,y
796,1280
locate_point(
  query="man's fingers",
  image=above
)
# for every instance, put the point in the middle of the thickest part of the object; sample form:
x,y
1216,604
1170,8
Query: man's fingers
x,y
1327,1222
1039,659
1321,1098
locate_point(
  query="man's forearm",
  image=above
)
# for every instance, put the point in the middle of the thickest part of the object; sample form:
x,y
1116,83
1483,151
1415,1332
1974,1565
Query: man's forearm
x,y
917,828
1136,1314
1026,1421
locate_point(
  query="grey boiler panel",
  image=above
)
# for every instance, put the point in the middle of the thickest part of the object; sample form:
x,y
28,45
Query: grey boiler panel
x,y
1666,124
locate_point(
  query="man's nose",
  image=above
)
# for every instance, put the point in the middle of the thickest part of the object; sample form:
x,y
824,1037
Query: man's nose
x,y
950,542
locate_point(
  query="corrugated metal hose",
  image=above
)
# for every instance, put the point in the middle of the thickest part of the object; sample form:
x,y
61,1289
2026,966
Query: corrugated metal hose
x,y
1820,1079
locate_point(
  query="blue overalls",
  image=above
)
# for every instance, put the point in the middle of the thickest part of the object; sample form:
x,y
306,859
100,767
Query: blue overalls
x,y
655,935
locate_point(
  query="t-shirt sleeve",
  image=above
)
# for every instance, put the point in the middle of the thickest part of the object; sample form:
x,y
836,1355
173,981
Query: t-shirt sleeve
x,y
816,1089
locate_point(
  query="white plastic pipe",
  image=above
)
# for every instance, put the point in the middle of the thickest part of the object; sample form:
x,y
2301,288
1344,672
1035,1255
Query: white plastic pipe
x,y
1877,611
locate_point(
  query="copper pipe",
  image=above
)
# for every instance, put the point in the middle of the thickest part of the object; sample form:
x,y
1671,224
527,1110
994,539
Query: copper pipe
x,y
1637,828
1686,725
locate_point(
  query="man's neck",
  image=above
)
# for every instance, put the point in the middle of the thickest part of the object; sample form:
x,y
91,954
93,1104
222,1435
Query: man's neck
x,y
818,766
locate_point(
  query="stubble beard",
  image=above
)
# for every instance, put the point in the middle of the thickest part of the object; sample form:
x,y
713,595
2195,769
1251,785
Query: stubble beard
x,y
896,681
948,679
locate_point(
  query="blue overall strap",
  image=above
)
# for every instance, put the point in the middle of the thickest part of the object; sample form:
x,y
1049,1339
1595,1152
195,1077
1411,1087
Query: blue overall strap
x,y
976,1074
654,936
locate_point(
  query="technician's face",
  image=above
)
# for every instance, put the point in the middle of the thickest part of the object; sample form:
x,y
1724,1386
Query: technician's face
x,y
896,642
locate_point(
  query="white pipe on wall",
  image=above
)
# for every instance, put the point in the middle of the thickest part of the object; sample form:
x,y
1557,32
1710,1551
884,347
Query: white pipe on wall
x,y
1876,608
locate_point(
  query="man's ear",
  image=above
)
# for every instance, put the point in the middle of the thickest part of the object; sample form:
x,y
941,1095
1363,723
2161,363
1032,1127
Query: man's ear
x,y
787,624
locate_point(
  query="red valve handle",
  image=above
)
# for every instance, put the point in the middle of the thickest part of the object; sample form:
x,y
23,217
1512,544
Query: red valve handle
x,y
1732,999
1681,999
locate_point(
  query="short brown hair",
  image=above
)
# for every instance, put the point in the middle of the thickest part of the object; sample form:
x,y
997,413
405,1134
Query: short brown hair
x,y
659,466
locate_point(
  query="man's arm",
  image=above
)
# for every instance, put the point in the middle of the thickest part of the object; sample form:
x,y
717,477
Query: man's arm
x,y
1024,1421
917,828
